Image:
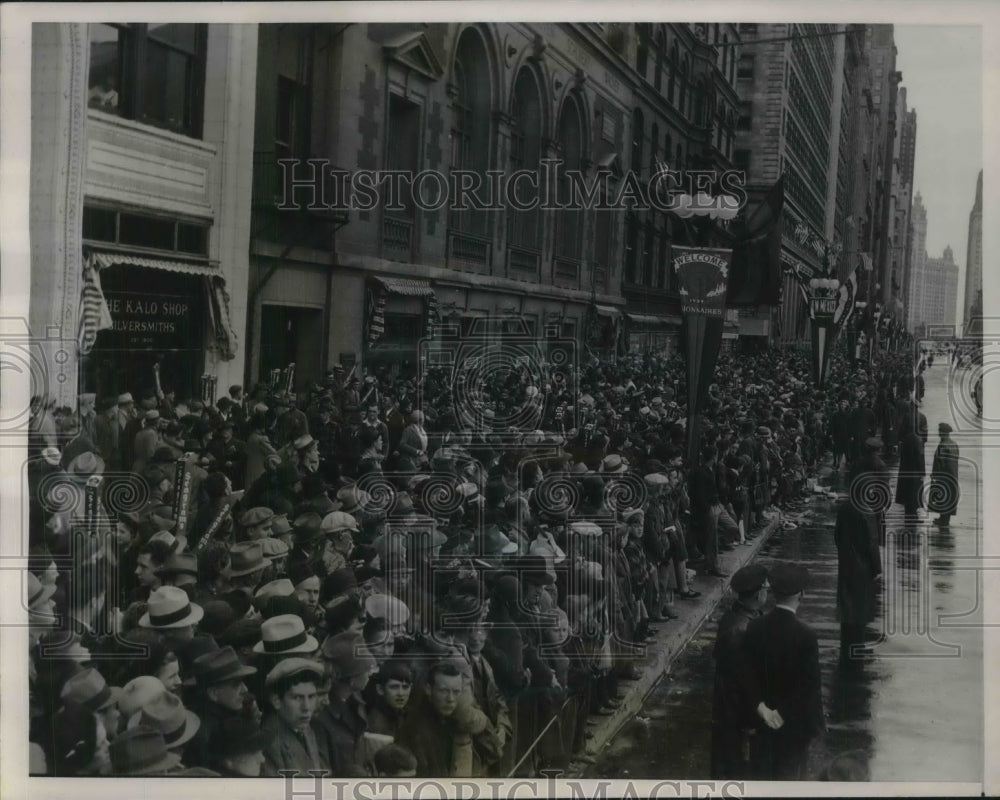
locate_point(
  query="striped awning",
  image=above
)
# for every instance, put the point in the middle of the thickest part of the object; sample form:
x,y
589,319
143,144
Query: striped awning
x,y
607,311
653,321
407,286
102,260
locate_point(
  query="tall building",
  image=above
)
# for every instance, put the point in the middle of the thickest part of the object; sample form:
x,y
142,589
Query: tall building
x,y
937,299
789,124
918,261
881,48
974,259
904,151
140,203
856,166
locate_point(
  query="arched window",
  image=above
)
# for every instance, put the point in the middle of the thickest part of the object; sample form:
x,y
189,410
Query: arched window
x,y
715,33
673,72
524,227
569,134
470,134
668,150
660,53
725,54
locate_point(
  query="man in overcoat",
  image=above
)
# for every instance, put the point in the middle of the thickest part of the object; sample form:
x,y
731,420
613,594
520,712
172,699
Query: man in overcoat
x,y
944,478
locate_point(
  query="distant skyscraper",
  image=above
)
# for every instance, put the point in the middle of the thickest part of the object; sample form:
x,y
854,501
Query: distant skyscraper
x,y
974,256
938,280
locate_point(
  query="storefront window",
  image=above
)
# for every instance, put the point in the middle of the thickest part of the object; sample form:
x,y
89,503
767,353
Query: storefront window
x,y
150,73
145,230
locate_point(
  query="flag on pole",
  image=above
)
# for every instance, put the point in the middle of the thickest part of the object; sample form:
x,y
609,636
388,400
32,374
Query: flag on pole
x,y
94,313
845,300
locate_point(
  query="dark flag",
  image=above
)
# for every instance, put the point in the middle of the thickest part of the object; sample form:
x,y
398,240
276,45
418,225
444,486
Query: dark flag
x,y
703,275
756,273
823,293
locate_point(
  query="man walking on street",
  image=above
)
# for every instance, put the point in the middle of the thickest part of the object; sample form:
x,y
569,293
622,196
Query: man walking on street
x,y
732,717
783,680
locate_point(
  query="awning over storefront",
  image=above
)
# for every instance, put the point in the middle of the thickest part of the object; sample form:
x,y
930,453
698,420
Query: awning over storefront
x,y
651,321
607,311
407,286
102,260
95,315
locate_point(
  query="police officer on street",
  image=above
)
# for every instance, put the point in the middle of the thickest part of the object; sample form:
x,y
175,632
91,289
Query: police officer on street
x,y
783,681
732,717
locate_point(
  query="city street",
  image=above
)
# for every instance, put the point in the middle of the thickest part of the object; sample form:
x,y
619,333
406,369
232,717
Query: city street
x,y
911,712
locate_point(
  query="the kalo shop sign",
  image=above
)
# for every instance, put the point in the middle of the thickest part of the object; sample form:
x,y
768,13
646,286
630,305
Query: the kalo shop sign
x,y
161,322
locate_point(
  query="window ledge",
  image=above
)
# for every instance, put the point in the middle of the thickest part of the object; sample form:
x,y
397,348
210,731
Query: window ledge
x,y
113,120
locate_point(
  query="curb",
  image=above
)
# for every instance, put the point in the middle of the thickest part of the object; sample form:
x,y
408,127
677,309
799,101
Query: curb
x,y
671,641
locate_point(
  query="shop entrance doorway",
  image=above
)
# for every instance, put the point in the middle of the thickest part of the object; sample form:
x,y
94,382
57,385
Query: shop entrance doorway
x,y
292,335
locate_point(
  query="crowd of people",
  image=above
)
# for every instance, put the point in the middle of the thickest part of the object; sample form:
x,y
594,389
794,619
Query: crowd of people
x,y
397,576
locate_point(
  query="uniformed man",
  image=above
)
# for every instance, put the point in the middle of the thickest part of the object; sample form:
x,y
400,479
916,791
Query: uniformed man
x,y
732,718
782,680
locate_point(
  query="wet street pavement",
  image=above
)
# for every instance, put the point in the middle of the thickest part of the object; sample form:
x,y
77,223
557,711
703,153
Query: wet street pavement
x,y
911,712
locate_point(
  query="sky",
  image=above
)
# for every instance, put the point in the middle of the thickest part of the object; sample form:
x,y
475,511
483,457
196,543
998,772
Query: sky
x,y
942,72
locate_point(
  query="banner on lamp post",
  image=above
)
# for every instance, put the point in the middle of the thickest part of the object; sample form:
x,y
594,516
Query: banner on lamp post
x,y
703,277
823,297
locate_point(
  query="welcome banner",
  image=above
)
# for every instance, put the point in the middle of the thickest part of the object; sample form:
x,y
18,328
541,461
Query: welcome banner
x,y
703,275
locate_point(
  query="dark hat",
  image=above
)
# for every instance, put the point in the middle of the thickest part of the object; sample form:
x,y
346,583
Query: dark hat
x,y
788,579
308,526
222,665
246,558
299,572
162,455
141,751
237,737
338,582
180,564
242,633
749,579
219,615
944,427
89,689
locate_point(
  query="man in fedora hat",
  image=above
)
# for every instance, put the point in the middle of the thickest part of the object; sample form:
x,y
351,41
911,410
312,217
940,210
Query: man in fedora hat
x,y
240,752
167,714
221,695
88,688
732,719
783,681
293,696
141,751
172,613
247,562
181,570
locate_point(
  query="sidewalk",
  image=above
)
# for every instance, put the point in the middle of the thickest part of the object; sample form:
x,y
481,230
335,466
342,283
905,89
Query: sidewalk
x,y
672,637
